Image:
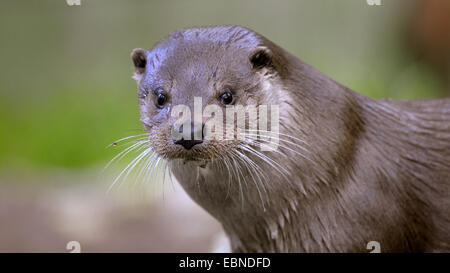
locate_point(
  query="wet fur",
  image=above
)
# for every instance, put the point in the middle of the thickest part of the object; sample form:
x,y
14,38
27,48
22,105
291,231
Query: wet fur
x,y
375,170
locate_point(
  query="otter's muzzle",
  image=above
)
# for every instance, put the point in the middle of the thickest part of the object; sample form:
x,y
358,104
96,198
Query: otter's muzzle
x,y
189,140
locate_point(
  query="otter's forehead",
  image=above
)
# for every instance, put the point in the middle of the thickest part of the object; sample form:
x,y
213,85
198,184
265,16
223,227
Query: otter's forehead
x,y
181,58
193,53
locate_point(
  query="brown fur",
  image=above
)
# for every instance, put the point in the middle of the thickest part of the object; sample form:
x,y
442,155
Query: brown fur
x,y
374,170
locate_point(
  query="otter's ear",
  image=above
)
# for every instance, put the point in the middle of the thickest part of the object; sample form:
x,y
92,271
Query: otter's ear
x,y
139,57
261,57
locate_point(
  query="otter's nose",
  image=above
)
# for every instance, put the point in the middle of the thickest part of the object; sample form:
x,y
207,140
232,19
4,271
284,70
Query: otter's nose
x,y
195,138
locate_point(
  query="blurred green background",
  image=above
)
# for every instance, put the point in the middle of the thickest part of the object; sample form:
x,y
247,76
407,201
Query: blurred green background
x,y
66,93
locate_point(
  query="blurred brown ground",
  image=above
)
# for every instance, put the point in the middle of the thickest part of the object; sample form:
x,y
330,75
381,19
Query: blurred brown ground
x,y
45,219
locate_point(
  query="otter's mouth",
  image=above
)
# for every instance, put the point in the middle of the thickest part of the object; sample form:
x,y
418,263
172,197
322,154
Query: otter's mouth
x,y
202,163
198,153
198,158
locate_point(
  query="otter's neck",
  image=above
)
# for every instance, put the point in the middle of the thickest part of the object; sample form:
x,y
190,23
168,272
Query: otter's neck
x,y
275,206
343,166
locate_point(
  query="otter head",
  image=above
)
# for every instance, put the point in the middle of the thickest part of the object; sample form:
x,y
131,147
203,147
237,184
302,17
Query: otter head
x,y
195,71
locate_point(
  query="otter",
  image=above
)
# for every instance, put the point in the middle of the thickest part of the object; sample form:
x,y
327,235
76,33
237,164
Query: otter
x,y
348,169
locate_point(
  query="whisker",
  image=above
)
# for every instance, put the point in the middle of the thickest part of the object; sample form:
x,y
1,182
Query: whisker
x,y
132,163
149,169
136,163
145,166
266,159
256,167
225,161
129,142
280,139
251,171
125,138
232,171
301,185
154,166
123,153
257,141
170,177
282,134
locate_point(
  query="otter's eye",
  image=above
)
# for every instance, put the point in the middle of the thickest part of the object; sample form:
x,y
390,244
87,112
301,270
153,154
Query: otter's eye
x,y
226,98
160,100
